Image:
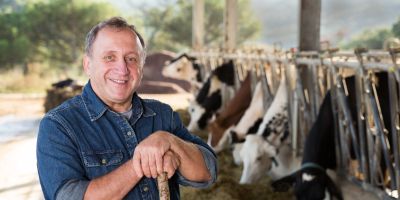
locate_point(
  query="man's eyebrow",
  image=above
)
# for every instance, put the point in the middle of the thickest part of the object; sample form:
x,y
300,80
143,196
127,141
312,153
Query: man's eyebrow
x,y
107,52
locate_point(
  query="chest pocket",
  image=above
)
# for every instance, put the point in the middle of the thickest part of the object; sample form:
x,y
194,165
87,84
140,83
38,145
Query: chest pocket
x,y
102,158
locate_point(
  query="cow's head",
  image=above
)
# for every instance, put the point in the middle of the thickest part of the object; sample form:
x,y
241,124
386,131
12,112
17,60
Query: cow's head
x,y
195,111
180,68
202,113
309,183
258,156
236,148
199,117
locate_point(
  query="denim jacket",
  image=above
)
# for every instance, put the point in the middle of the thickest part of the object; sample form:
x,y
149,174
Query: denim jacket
x,y
83,139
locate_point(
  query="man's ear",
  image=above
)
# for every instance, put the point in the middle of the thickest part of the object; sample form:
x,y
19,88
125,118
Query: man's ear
x,y
86,64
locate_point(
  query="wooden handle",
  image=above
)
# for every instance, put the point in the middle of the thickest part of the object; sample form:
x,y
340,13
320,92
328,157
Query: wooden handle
x,y
163,189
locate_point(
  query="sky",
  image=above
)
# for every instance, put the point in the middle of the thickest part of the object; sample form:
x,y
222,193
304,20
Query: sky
x,y
348,18
339,18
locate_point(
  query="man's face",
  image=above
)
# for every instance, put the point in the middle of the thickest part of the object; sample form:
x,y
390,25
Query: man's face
x,y
115,67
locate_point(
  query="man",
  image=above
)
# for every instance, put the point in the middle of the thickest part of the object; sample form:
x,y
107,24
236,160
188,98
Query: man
x,y
108,143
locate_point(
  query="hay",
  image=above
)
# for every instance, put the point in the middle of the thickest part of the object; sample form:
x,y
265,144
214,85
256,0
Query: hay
x,y
227,185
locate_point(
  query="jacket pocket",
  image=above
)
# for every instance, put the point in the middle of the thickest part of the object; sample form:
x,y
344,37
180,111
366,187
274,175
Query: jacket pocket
x,y
102,158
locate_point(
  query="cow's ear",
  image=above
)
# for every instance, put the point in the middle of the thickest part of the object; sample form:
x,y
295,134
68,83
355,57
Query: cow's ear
x,y
333,189
284,184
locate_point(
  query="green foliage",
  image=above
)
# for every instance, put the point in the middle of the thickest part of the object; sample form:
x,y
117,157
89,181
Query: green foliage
x,y
372,39
50,32
61,25
396,28
14,44
375,38
170,27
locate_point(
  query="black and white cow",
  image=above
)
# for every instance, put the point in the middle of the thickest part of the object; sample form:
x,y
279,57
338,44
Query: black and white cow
x,y
250,118
185,67
260,150
217,90
311,180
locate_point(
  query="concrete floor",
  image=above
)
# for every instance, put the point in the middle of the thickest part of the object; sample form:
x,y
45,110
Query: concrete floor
x,y
18,174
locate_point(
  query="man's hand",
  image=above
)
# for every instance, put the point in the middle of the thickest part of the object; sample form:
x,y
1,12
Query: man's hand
x,y
148,158
171,163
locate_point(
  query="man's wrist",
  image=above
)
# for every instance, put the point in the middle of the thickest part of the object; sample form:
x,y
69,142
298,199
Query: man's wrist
x,y
131,171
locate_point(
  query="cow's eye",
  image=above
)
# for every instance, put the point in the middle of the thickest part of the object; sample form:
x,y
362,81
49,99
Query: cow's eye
x,y
259,158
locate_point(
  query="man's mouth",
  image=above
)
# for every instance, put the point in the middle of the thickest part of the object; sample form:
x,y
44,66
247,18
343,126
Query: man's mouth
x,y
118,81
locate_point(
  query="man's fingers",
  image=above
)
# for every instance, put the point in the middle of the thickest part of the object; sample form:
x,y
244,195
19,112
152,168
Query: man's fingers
x,y
153,166
176,163
171,163
137,166
168,167
145,166
159,164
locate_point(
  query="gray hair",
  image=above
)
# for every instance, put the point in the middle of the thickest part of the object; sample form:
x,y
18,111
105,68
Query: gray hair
x,y
114,22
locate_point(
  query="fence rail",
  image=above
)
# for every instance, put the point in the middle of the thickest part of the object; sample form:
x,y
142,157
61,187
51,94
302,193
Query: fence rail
x,y
371,141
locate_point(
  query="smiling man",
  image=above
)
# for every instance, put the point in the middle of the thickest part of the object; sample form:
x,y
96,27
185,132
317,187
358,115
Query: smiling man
x,y
108,143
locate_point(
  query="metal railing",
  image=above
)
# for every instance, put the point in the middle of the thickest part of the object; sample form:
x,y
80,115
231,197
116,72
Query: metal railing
x,y
370,140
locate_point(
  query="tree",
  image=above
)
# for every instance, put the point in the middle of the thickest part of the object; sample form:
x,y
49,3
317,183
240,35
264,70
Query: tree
x,y
372,39
59,28
375,38
50,32
15,46
396,28
169,27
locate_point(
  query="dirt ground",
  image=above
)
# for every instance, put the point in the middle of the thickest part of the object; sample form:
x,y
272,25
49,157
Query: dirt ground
x,y
21,104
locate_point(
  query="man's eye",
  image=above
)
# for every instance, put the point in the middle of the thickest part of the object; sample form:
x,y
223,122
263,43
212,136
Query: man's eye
x,y
108,58
131,59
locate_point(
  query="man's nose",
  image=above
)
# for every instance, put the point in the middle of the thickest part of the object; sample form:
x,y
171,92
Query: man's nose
x,y
122,67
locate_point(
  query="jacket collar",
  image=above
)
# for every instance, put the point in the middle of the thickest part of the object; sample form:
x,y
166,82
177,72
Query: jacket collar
x,y
96,108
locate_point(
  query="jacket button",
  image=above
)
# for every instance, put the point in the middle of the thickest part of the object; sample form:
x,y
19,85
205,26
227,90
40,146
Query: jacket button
x,y
103,161
129,133
146,189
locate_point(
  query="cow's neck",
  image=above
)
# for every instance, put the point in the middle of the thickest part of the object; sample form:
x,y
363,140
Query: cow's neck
x,y
320,144
197,68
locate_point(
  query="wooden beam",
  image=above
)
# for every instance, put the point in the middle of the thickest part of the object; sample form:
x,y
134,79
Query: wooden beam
x,y
230,24
198,25
310,20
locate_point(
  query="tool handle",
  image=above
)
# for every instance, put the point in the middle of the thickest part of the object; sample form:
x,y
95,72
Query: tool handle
x,y
163,189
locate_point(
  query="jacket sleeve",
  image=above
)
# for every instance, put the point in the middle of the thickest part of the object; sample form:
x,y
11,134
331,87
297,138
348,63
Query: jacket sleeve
x,y
209,156
61,173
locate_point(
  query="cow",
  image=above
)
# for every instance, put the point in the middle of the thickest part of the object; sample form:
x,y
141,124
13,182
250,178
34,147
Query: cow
x,y
185,67
212,96
260,150
311,180
249,122
231,113
268,159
